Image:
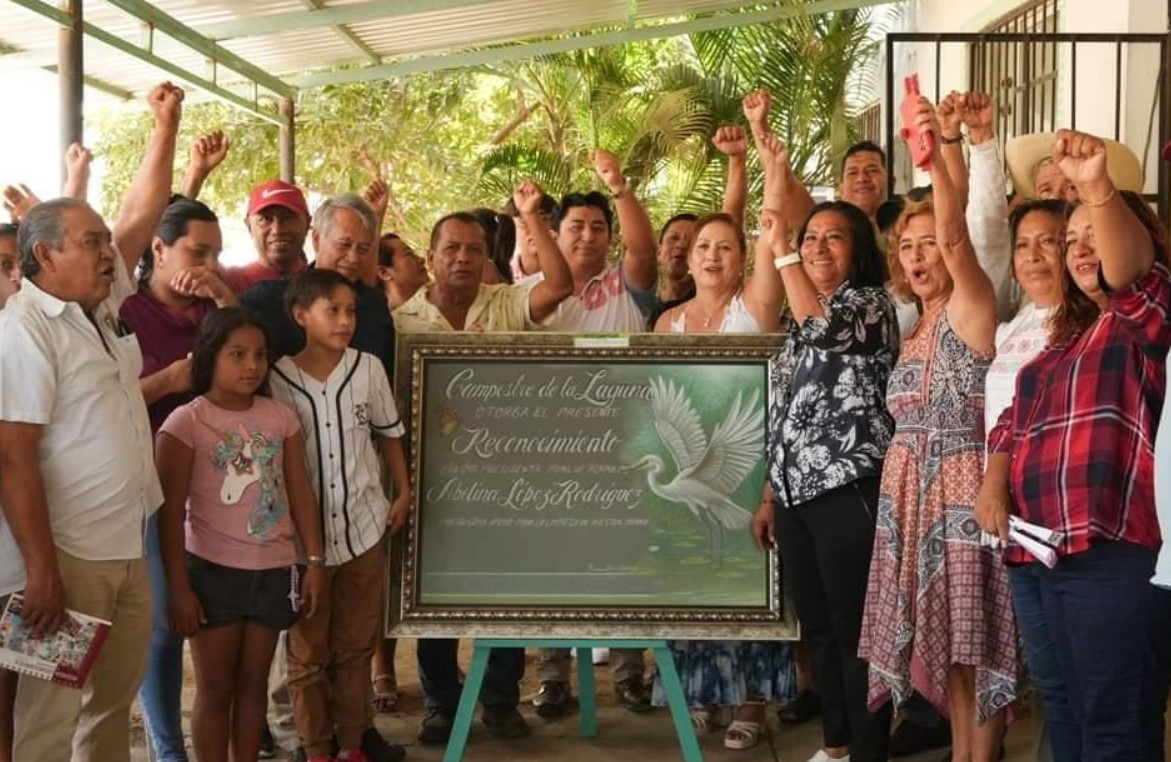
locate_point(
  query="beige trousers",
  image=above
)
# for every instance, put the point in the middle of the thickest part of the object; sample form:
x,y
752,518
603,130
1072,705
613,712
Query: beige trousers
x,y
57,724
329,655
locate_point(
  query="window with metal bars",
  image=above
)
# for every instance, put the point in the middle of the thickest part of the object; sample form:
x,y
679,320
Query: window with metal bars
x,y
1020,74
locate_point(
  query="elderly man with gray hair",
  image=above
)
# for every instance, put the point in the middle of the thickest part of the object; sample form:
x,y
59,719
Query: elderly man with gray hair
x,y
343,230
77,455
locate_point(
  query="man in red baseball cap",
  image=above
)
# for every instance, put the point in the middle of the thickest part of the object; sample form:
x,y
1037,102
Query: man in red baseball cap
x,y
278,218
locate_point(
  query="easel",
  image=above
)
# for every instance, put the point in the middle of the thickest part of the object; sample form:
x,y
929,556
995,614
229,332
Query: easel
x,y
482,647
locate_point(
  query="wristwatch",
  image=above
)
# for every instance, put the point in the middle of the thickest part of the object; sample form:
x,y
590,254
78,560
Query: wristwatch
x,y
318,561
627,187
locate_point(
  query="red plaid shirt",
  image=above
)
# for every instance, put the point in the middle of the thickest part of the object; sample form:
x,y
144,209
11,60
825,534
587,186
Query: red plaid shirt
x,y
1081,429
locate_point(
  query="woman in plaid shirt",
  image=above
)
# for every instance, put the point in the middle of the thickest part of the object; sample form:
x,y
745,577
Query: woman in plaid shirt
x,y
1074,454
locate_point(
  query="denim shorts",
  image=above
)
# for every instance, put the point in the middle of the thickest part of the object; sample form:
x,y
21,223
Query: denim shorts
x,y
230,595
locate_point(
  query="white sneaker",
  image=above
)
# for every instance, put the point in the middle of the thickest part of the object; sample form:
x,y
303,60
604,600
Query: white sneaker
x,y
821,756
601,655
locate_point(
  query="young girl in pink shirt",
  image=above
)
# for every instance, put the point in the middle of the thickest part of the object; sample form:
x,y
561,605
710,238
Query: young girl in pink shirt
x,y
238,503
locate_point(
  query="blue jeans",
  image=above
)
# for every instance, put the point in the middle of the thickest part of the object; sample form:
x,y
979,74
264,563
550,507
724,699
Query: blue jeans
x,y
161,691
1087,626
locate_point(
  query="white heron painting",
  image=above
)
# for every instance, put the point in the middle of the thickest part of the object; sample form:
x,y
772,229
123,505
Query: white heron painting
x,y
707,471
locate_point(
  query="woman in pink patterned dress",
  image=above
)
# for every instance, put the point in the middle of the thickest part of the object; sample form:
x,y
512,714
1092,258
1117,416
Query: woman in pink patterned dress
x,y
939,616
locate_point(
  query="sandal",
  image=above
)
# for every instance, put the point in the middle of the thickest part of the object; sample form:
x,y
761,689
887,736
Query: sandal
x,y
744,734
386,699
705,719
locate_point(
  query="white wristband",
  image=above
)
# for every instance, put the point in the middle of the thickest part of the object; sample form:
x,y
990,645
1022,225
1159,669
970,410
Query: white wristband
x,y
789,259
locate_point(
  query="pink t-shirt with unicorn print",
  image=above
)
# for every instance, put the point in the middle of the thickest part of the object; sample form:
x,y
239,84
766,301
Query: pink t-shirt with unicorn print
x,y
237,507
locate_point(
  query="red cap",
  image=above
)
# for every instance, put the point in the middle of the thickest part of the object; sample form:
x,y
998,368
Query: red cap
x,y
1167,151
277,193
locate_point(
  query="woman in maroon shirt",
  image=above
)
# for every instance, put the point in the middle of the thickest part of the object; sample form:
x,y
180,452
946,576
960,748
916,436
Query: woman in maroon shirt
x,y
1074,455
178,286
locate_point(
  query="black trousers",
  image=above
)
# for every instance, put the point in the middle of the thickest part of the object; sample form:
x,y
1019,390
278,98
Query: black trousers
x,y
825,547
439,675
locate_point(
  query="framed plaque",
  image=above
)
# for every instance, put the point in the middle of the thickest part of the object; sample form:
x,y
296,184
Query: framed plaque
x,y
570,486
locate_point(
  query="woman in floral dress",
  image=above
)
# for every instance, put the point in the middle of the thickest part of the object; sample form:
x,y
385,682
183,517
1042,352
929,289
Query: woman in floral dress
x,y
939,616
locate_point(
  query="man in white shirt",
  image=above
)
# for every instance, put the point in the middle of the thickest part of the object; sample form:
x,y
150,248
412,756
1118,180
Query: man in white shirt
x,y
607,298
77,456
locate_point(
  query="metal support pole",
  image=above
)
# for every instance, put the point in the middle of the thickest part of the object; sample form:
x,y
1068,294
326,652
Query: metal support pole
x,y
288,140
70,78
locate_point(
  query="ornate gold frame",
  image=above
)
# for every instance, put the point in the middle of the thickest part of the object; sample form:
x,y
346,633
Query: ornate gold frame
x,y
405,617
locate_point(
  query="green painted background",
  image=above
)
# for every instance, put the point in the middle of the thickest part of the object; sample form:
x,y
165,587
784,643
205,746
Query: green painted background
x,y
480,548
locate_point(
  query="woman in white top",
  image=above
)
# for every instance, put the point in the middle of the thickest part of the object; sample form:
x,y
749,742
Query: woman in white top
x,y
718,675
724,301
1038,236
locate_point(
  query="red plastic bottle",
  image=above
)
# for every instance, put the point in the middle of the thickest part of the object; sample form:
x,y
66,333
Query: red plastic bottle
x,y
921,144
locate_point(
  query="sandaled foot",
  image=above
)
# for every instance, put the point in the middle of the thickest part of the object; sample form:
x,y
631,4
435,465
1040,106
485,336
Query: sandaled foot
x,y
745,730
705,719
385,694
742,734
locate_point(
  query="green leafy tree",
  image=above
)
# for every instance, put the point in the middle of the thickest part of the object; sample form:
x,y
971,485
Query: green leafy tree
x,y
424,136
453,140
657,104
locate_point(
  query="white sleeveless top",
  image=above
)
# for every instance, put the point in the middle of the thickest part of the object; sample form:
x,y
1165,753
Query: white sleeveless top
x,y
737,319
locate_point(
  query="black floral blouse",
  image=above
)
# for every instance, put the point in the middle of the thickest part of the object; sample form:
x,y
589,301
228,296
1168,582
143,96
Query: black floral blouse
x,y
828,423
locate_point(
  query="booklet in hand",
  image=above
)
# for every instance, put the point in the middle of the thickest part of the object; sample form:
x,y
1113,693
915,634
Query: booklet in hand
x,y
65,657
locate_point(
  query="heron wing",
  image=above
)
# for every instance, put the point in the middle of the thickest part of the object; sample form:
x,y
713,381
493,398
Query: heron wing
x,y
677,423
736,446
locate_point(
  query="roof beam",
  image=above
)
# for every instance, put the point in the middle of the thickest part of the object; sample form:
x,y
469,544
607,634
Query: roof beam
x,y
10,54
172,27
522,51
348,35
100,85
332,16
146,56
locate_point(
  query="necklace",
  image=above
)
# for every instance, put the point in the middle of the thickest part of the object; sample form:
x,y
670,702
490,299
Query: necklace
x,y
707,323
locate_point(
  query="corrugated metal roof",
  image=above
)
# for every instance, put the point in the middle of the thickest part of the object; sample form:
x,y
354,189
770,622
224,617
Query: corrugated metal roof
x,y
288,37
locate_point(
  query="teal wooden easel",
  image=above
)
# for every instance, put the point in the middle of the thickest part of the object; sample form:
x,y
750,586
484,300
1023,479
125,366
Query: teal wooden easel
x,y
482,647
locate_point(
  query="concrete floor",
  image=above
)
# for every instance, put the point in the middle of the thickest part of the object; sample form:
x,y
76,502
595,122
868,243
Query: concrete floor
x,y
622,736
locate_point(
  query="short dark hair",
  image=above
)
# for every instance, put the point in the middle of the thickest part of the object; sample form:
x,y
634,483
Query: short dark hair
x,y
548,206
592,199
868,266
311,285
171,227
9,228
465,217
385,250
1053,206
214,332
681,217
501,239
862,146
